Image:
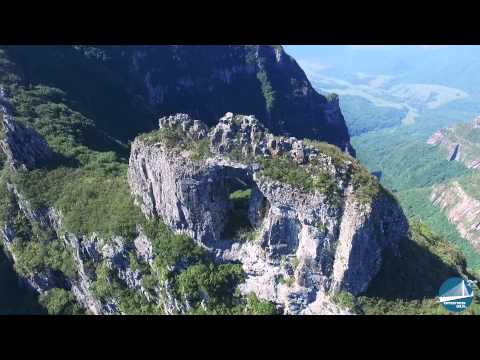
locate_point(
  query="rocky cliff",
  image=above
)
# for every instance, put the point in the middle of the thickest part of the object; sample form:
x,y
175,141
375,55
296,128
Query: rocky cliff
x,y
312,222
461,208
461,142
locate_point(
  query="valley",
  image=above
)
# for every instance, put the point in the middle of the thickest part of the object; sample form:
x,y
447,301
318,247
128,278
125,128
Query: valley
x,y
222,180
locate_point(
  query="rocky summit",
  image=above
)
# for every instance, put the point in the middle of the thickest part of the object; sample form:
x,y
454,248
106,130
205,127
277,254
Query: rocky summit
x,y
303,219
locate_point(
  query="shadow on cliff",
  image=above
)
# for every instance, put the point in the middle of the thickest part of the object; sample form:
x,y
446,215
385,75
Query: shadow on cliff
x,y
57,161
423,260
414,275
15,299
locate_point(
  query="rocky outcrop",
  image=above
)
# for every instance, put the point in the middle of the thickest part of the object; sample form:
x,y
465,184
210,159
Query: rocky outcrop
x,y
304,244
23,146
462,210
88,253
461,142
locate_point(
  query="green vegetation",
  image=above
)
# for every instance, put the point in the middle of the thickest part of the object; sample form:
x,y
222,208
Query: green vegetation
x,y
255,306
267,90
37,256
366,186
87,179
417,205
36,249
295,263
238,225
75,71
344,299
312,177
208,287
171,136
169,248
284,169
94,198
213,283
363,116
193,275
322,228
200,149
88,186
409,167
60,302
471,184
108,287
338,157
174,137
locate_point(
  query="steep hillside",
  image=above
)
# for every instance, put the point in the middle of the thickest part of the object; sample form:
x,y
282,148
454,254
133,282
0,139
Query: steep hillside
x,y
123,88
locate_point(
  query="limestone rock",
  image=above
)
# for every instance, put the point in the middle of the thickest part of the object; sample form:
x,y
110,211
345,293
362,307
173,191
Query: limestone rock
x,y
303,246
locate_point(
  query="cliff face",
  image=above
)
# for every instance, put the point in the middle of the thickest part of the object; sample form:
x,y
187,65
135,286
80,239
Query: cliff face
x,y
146,82
306,228
259,80
461,142
461,209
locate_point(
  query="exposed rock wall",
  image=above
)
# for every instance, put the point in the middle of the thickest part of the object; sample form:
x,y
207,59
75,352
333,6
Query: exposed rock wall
x,y
461,209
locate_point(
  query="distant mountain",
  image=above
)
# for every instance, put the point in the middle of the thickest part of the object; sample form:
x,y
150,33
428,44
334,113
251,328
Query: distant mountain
x,y
123,88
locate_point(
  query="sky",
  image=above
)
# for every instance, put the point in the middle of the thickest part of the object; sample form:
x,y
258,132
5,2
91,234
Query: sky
x,y
380,59
449,65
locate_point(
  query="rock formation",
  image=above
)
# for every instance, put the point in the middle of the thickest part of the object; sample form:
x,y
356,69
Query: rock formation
x,y
305,242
